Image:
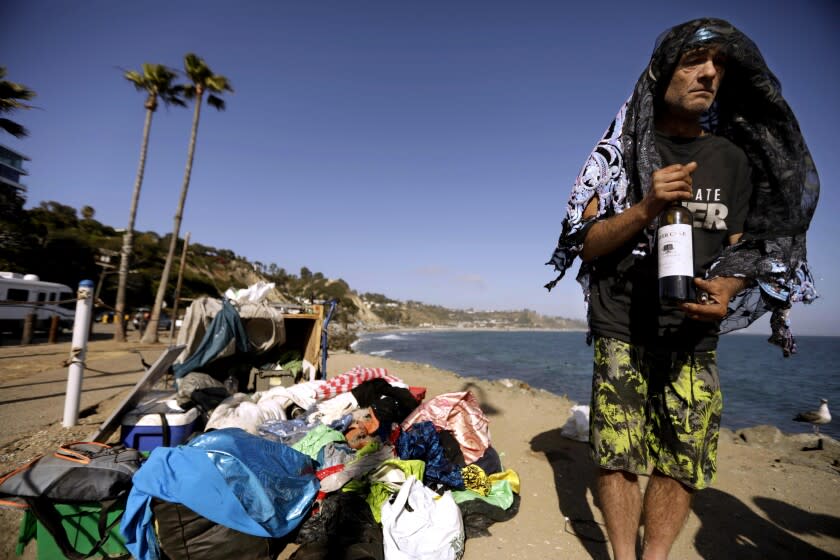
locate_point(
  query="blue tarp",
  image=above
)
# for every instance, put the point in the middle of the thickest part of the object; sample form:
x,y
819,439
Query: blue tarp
x,y
245,482
224,327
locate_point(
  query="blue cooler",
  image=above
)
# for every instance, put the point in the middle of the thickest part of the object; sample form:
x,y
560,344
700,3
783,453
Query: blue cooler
x,y
157,415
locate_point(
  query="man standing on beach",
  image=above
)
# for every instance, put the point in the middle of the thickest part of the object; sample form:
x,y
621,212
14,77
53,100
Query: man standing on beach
x,y
707,127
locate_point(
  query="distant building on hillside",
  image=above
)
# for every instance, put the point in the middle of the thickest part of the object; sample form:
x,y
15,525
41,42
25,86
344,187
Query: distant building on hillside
x,y
11,168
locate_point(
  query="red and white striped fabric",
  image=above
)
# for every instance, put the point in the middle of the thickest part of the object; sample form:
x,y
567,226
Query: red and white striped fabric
x,y
350,379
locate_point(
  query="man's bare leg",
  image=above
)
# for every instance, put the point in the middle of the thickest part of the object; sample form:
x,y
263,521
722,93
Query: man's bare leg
x,y
621,504
667,503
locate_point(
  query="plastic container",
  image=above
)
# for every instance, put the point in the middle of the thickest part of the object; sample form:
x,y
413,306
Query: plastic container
x,y
265,379
143,427
81,524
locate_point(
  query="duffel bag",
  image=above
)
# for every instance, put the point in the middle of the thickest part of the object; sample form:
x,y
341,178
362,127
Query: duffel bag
x,y
89,473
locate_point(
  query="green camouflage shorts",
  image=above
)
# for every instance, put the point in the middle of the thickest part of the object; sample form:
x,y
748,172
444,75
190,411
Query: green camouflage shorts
x,y
655,410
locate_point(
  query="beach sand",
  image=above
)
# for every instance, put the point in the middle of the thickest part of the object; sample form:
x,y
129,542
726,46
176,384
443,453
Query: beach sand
x,y
776,495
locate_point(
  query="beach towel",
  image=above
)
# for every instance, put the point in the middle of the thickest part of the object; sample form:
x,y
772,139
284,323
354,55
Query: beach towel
x,y
350,379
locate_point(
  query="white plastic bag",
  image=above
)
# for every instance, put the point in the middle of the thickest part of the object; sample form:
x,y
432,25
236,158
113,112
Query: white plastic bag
x,y
254,293
577,427
420,525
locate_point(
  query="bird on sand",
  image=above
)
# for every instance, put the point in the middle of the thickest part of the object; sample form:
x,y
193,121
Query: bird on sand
x,y
815,417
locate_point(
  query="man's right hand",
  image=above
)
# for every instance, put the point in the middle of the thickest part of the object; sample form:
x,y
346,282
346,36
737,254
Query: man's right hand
x,y
669,184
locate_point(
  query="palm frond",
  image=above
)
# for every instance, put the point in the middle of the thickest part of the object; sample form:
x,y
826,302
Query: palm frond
x,y
8,105
216,102
196,69
11,90
13,128
136,79
218,83
175,98
12,94
156,81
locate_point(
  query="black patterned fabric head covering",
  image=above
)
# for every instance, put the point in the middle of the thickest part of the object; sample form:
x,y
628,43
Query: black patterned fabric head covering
x,y
749,111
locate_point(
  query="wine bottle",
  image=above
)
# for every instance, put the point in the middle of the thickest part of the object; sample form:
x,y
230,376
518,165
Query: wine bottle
x,y
676,254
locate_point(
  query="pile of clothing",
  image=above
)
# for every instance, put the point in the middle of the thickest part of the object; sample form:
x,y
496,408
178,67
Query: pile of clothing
x,y
359,466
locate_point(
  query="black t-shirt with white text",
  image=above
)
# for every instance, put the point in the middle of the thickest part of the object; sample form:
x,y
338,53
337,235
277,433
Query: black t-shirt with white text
x,y
624,297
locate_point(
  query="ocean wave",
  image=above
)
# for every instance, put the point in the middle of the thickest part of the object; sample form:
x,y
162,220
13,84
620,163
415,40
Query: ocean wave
x,y
390,337
380,353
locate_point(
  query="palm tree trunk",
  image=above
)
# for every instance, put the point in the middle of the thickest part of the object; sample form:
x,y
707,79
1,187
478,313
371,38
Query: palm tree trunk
x,y
150,336
128,237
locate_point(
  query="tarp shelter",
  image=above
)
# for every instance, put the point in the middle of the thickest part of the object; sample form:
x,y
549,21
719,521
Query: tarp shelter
x,y
214,330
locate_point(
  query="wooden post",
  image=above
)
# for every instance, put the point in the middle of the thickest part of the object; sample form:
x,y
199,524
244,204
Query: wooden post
x,y
53,329
28,328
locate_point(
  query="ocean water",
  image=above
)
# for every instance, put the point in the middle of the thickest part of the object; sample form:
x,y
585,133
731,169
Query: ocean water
x,y
759,385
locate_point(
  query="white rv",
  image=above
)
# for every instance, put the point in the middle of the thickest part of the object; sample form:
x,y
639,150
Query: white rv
x,y
22,294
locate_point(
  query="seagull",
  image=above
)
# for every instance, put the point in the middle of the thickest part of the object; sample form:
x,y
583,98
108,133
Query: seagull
x,y
816,417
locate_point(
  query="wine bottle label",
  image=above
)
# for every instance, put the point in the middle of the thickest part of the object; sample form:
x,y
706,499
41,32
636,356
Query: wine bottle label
x,y
676,256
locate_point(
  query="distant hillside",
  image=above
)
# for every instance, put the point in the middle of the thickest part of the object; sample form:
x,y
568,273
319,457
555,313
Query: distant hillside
x,y
54,242
417,314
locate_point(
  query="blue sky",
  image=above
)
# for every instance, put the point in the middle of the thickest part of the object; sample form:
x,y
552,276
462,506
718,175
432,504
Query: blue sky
x,y
423,150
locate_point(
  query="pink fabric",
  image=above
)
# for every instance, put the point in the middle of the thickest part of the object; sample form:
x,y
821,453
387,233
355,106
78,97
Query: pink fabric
x,y
350,379
460,414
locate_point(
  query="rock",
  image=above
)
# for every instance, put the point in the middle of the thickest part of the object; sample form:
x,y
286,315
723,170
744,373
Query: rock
x,y
761,435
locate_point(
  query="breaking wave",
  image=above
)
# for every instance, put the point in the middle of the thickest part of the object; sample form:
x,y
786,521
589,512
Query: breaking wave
x,y
390,337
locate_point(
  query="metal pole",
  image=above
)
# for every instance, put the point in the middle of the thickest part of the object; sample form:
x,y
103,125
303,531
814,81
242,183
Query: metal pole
x,y
178,289
78,350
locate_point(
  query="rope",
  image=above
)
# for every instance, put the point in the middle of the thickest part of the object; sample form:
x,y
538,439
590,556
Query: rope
x,y
579,528
74,359
37,303
88,368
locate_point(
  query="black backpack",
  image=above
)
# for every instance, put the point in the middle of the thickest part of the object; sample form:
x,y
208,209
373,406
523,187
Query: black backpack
x,y
81,472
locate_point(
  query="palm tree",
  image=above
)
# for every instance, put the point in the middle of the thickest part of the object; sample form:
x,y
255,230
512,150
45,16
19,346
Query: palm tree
x,y
202,80
12,98
156,82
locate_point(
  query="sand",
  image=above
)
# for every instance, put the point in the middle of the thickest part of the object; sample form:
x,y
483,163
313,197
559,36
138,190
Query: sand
x,y
777,496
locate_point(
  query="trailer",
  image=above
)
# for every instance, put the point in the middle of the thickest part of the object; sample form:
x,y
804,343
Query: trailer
x,y
27,294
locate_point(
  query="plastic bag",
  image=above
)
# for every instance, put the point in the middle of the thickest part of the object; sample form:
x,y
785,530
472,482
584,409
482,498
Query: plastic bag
x,y
577,427
420,525
254,293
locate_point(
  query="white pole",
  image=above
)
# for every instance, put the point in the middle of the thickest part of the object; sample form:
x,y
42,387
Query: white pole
x,y
78,350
